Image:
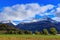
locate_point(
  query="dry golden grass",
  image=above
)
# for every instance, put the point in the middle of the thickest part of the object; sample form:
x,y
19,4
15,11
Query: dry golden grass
x,y
28,37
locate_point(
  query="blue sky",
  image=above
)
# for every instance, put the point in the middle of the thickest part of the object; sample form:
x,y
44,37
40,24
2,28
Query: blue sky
x,y
10,9
4,3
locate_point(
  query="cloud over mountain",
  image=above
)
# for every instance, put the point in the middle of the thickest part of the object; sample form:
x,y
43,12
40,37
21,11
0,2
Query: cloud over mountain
x,y
57,14
23,11
28,11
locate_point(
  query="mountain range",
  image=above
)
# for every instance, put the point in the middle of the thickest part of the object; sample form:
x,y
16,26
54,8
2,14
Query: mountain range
x,y
35,24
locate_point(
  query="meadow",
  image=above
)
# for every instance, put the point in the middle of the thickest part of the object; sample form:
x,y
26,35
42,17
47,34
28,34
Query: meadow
x,y
28,37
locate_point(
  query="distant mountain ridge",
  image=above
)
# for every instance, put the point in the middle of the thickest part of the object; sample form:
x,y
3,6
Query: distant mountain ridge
x,y
34,24
39,25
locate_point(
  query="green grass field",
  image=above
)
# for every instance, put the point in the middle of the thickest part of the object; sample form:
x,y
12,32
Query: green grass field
x,y
44,36
30,37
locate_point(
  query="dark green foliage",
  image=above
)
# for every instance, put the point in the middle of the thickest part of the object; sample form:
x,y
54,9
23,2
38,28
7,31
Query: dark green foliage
x,y
37,32
27,32
45,31
53,31
20,32
8,29
11,32
30,32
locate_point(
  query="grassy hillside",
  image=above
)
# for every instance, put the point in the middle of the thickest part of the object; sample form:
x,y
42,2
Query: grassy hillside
x,y
4,28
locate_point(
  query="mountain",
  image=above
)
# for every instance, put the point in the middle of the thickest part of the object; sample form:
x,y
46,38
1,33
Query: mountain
x,y
33,25
39,25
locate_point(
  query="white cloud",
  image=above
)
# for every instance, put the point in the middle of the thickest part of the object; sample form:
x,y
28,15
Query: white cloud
x,y
23,11
57,14
47,7
56,18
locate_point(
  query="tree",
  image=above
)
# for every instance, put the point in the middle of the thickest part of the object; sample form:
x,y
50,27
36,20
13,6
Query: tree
x,y
26,32
45,31
11,32
53,31
20,32
37,32
29,32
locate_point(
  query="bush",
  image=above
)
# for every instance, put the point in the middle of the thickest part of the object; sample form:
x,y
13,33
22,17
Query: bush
x,y
30,32
20,32
45,32
37,32
11,32
27,32
53,31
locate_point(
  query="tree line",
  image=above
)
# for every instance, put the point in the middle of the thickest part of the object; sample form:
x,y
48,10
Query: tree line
x,y
52,31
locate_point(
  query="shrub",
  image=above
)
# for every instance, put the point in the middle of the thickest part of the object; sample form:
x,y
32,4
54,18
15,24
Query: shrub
x,y
27,32
20,32
53,31
37,32
45,32
11,32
